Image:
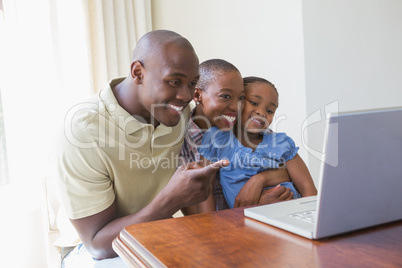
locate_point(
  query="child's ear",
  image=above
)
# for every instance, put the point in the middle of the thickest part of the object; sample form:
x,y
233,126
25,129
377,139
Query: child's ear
x,y
137,72
197,95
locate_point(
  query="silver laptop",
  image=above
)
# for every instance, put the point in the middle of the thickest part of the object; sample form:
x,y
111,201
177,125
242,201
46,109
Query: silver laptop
x,y
360,183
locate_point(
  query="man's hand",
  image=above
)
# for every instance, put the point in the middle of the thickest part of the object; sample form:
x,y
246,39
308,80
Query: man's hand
x,y
193,183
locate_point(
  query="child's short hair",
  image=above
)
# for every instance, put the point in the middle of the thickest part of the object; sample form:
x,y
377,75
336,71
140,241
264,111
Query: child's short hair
x,y
209,70
254,79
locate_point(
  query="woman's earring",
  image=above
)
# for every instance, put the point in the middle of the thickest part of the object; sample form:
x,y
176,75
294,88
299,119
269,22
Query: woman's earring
x,y
198,103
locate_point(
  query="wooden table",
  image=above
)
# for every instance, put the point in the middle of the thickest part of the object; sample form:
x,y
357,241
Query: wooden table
x,y
228,239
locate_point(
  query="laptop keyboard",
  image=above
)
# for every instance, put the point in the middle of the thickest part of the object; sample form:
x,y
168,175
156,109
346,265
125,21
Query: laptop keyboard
x,y
307,216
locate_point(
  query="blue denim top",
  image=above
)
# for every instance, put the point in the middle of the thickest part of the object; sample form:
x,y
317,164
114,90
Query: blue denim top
x,y
274,150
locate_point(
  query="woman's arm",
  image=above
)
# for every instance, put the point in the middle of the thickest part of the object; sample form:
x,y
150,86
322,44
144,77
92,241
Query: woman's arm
x,y
250,193
300,176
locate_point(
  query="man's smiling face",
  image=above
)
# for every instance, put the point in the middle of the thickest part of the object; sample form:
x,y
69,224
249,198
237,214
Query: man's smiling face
x,y
168,84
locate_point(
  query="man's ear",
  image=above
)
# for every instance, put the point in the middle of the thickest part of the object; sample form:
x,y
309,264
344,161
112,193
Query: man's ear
x,y
197,95
137,72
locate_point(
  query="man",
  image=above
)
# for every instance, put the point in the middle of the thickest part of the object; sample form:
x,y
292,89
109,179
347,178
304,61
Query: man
x,y
119,157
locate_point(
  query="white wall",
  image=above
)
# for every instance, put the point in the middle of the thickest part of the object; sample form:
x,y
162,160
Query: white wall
x,y
261,37
341,54
353,55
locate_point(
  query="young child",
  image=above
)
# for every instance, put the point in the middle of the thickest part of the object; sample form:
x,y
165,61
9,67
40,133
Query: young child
x,y
252,147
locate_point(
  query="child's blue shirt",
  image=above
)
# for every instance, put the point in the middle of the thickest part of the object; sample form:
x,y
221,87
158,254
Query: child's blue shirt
x,y
274,150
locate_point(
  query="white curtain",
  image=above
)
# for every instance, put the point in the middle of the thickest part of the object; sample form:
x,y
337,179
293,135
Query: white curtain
x,y
53,54
114,28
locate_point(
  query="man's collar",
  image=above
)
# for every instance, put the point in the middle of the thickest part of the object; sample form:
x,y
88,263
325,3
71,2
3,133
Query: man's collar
x,y
122,118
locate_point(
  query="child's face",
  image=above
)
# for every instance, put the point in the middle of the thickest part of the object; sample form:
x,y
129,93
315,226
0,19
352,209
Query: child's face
x,y
259,107
223,100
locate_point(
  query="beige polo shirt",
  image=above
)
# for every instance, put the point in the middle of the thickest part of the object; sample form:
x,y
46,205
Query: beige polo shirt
x,y
109,155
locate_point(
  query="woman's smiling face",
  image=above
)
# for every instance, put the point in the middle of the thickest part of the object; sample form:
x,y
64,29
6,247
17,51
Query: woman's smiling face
x,y
259,107
221,101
